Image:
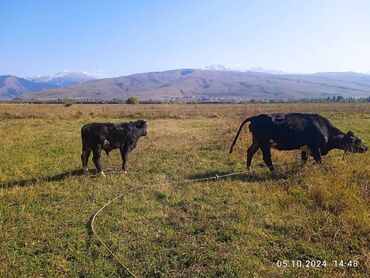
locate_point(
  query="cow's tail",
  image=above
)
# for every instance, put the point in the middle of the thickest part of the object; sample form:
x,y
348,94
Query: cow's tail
x,y
237,135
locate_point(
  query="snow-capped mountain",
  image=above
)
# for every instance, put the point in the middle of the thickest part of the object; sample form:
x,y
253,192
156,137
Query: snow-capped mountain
x,y
263,70
63,78
13,86
196,84
215,67
237,68
221,68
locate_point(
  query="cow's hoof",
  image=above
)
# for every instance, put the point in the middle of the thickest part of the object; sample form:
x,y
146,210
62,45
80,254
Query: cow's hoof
x,y
124,173
249,168
274,174
86,171
102,174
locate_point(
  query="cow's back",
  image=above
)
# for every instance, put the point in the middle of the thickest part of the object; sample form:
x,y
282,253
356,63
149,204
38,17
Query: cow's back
x,y
289,131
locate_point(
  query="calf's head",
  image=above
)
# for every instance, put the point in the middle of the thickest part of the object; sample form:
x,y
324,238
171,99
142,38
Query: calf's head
x,y
119,135
140,125
353,144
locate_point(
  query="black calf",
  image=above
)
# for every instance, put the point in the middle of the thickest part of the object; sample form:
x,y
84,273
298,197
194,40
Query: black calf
x,y
109,136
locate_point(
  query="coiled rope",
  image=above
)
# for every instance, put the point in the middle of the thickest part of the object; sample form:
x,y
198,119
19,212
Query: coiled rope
x,y
215,177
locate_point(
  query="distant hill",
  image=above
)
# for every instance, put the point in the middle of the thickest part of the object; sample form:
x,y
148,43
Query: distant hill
x,y
63,78
198,84
13,87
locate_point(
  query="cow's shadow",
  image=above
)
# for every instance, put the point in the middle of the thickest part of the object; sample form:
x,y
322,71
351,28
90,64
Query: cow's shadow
x,y
33,181
258,175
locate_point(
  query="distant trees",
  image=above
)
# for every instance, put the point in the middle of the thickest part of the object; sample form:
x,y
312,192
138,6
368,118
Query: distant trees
x,y
132,100
67,102
135,100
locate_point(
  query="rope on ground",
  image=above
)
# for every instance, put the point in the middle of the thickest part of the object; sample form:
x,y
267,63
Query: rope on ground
x,y
215,177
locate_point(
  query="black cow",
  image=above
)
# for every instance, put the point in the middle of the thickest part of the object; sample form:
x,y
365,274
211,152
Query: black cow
x,y
109,136
311,133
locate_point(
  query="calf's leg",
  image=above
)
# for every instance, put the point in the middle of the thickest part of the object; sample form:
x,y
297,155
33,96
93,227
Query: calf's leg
x,y
124,156
96,158
85,158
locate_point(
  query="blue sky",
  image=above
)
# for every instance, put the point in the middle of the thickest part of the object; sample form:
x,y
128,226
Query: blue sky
x,y
125,37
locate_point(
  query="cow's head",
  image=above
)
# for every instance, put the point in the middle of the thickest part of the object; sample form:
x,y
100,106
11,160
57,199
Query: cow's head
x,y
353,144
140,125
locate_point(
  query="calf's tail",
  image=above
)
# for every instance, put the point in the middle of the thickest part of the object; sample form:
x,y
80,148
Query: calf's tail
x,y
237,135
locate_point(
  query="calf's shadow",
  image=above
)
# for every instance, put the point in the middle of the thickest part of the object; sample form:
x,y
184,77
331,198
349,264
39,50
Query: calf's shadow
x,y
34,181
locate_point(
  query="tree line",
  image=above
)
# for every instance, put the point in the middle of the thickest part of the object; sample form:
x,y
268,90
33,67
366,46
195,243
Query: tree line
x,y
135,100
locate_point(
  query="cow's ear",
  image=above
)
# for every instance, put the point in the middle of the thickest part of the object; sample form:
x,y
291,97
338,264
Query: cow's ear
x,y
350,136
140,124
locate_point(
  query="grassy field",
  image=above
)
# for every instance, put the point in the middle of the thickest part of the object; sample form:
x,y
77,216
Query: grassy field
x,y
237,227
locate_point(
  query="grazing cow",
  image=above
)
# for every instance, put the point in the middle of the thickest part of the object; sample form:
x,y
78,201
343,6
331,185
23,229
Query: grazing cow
x,y
109,136
311,133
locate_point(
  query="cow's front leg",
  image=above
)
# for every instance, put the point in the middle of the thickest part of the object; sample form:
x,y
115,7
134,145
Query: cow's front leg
x,y
124,156
304,157
96,159
266,154
316,153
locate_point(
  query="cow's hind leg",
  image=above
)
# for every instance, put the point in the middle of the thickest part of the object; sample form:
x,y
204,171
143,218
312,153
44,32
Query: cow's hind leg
x,y
266,152
85,158
250,153
96,158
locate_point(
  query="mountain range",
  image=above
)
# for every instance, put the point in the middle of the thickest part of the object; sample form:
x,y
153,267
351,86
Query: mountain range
x,y
16,87
216,83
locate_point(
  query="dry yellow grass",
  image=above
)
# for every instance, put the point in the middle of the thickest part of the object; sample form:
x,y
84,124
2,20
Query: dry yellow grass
x,y
237,227
151,111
